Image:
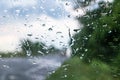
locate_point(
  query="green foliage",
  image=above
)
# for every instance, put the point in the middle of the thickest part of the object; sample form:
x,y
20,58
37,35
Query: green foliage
x,y
11,54
84,3
31,48
75,69
100,37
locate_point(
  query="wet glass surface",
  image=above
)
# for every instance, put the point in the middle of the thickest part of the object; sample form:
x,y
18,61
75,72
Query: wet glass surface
x,y
59,39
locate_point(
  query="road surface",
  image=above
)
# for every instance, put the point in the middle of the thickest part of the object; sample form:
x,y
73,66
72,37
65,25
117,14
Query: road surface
x,y
36,68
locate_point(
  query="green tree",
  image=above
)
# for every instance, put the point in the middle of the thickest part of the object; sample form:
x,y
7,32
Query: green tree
x,y
100,36
30,48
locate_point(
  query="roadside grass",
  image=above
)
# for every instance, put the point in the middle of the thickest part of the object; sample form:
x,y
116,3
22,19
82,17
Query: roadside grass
x,y
75,69
12,54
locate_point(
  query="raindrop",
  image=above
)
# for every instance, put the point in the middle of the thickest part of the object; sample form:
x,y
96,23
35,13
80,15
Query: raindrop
x,y
103,14
89,35
50,29
28,52
40,52
34,62
53,40
110,11
36,38
25,24
110,31
65,69
61,42
77,49
6,66
81,48
69,16
76,30
62,36
86,50
81,57
29,34
58,32
85,38
42,36
30,26
53,71
65,76
93,27
65,65
43,25
66,4
104,25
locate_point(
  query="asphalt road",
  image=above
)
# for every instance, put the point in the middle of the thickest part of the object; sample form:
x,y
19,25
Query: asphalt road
x,y
36,68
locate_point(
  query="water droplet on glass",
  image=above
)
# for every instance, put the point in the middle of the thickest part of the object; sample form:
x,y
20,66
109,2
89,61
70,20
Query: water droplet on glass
x,y
85,38
36,38
66,4
62,36
76,30
29,34
50,29
59,32
89,35
34,62
53,40
86,50
43,24
25,24
105,25
65,65
110,31
30,26
103,14
65,69
65,76
40,52
81,57
28,52
53,71
68,16
6,66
